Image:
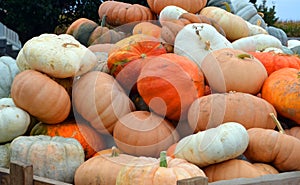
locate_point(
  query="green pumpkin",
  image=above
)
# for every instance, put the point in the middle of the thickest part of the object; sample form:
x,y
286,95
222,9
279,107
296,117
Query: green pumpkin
x,y
279,34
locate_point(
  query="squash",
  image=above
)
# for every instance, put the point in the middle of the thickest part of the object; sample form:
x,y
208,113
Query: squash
x,y
279,34
231,69
51,157
278,149
256,42
88,32
14,121
90,140
94,171
212,110
224,4
269,169
5,155
281,90
273,61
212,145
147,28
234,26
157,6
255,29
58,56
117,13
197,40
169,83
248,12
41,97
9,70
294,131
142,133
153,171
100,100
171,12
231,169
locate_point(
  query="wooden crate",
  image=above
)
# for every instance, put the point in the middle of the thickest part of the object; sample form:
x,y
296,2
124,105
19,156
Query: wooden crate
x,y
22,174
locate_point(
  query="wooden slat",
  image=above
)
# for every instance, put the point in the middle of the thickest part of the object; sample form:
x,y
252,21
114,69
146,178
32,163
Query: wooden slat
x,y
193,181
21,174
4,176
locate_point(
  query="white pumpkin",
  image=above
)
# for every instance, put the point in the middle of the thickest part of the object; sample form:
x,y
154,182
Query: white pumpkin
x,y
5,155
14,121
51,157
214,145
293,43
171,12
254,29
59,56
257,42
197,40
9,70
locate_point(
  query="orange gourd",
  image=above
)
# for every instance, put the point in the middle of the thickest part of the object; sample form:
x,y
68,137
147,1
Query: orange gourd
x,y
41,96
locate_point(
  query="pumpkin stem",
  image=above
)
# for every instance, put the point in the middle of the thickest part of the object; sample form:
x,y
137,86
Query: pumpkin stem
x,y
163,159
70,44
281,130
207,45
103,20
115,152
226,4
244,55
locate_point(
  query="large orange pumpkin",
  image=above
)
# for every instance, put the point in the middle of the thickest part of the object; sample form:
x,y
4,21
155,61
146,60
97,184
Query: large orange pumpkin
x,y
275,61
41,96
169,84
282,90
90,140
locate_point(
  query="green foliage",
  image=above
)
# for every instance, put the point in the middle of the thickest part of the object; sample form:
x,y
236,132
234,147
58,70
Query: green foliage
x,y
268,13
291,28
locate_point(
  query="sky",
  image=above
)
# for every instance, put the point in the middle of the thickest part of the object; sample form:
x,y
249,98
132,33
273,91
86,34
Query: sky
x,y
285,9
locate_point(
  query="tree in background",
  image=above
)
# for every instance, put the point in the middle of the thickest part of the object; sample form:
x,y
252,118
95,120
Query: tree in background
x,y
268,13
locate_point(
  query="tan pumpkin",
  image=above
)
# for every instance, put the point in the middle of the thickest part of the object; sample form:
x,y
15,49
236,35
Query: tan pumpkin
x,y
281,150
99,99
230,69
41,96
294,131
153,171
142,133
212,110
147,28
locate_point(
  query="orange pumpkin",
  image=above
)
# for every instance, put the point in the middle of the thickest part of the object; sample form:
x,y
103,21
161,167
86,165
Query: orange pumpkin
x,y
142,133
282,90
90,140
118,13
275,61
147,28
189,5
270,146
41,96
169,84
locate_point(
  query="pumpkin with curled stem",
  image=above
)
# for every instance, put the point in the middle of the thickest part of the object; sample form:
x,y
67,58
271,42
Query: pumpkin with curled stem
x,y
51,157
9,70
153,171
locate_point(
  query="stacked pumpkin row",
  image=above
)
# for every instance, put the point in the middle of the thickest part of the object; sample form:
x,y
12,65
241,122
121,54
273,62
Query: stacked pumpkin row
x,y
149,98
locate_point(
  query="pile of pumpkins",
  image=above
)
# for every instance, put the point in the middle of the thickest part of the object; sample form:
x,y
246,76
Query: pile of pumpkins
x,y
153,95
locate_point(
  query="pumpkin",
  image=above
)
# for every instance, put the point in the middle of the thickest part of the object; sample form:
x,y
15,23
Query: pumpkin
x,y
280,150
231,169
234,26
142,133
273,61
40,96
153,171
126,52
100,100
230,69
248,12
196,40
189,5
169,84
88,32
102,62
224,4
214,109
5,155
9,70
279,34
59,56
105,48
147,28
256,42
269,169
94,171
282,91
255,29
294,131
51,157
90,140
170,12
211,146
119,13
14,121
